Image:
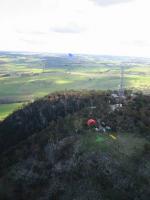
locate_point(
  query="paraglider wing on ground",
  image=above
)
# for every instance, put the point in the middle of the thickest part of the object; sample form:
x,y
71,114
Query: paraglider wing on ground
x,y
91,122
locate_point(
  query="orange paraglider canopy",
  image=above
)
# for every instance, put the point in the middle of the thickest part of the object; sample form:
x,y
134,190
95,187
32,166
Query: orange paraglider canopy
x,y
91,122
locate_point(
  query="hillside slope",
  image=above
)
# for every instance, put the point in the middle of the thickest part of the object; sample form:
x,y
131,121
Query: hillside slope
x,y
48,152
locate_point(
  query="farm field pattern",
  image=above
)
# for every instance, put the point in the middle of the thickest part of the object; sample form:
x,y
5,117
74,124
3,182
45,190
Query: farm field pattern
x,y
25,77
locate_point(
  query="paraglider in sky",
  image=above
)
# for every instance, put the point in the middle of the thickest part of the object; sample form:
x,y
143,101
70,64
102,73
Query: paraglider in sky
x,y
91,122
70,55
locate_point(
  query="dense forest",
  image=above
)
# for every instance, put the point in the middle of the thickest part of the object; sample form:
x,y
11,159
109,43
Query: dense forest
x,y
49,152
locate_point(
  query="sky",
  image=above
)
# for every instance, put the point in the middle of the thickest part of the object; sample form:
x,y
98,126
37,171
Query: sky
x,y
107,27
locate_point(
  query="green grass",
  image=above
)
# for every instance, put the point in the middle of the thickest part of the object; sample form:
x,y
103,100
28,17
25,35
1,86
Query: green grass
x,y
138,82
6,109
124,144
94,141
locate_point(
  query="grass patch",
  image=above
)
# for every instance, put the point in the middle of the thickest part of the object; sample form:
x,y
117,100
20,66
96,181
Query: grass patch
x,y
94,141
124,144
7,109
63,81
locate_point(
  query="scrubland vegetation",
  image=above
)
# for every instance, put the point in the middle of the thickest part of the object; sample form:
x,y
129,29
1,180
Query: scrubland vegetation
x,y
49,152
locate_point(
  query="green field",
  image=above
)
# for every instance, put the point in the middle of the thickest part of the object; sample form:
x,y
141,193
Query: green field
x,y
23,79
6,109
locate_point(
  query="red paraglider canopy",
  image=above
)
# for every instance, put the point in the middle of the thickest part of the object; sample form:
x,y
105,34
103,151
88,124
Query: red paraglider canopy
x,y
91,122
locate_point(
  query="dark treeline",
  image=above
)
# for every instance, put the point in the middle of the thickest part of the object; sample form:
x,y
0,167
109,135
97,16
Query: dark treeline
x,y
37,116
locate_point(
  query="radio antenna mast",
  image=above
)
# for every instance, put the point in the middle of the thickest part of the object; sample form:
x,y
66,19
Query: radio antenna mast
x,y
121,89
44,66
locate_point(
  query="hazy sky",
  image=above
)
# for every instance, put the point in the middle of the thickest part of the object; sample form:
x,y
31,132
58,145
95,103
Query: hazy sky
x,y
115,27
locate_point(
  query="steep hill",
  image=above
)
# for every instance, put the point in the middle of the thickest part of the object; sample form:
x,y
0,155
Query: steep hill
x,y
48,152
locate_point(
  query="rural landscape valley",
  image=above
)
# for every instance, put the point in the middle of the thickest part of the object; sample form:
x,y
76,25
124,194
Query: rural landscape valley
x,y
74,100
24,77
69,131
